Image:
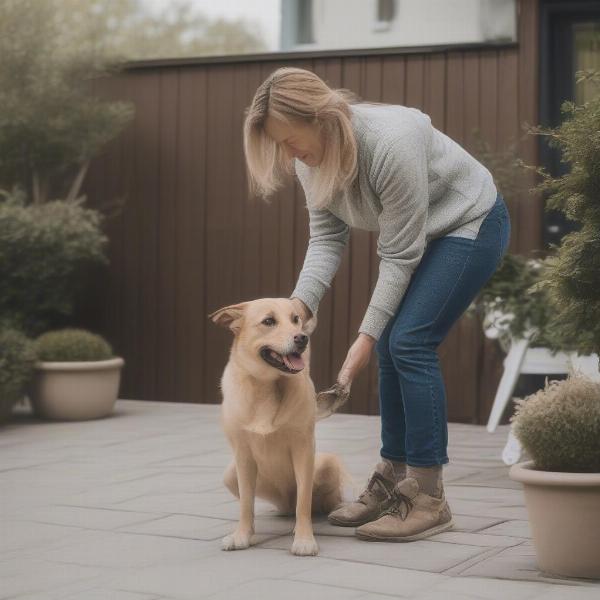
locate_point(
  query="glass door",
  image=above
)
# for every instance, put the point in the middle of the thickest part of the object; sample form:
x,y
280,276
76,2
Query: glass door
x,y
569,42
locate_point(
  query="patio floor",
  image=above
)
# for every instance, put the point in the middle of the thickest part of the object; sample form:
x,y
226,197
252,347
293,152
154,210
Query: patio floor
x,y
133,508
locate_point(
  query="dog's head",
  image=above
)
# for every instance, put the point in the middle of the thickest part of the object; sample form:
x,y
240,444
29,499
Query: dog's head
x,y
269,335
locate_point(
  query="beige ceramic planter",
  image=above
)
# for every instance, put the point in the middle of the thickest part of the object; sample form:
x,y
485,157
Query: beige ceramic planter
x,y
564,513
75,391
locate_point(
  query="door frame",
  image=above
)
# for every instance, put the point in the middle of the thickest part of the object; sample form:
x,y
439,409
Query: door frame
x,y
556,84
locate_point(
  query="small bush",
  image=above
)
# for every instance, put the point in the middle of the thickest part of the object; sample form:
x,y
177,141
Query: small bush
x,y
45,251
17,366
559,426
71,345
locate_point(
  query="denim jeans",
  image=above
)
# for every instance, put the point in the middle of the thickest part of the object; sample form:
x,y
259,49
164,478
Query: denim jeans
x,y
412,397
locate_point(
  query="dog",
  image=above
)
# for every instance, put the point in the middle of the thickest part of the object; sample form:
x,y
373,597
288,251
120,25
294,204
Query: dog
x,y
268,414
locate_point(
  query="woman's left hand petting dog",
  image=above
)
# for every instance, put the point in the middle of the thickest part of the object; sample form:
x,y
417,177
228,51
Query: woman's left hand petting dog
x,y
268,415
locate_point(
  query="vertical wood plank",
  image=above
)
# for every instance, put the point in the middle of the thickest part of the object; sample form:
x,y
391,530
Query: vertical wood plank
x,y
191,311
168,189
220,257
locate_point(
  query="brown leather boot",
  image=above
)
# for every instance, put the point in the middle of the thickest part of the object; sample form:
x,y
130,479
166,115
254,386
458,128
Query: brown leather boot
x,y
412,516
373,500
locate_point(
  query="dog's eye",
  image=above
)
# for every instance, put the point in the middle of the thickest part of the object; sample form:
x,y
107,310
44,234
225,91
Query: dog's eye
x,y
295,319
270,321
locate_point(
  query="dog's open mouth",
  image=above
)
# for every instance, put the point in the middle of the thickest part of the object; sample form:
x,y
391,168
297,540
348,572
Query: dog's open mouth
x,y
289,363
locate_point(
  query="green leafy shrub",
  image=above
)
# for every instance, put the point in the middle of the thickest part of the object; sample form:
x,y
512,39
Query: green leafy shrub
x,y
71,344
44,250
17,365
559,426
572,276
510,291
51,122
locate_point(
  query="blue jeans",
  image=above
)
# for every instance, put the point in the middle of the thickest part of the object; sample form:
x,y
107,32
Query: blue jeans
x,y
412,398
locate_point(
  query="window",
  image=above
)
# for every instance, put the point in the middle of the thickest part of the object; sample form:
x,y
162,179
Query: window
x,y
305,22
386,11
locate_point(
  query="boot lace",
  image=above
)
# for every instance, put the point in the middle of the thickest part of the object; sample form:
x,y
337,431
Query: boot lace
x,y
401,505
377,486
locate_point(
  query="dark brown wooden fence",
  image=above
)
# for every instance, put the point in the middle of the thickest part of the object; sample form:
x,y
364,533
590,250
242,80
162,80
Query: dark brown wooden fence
x,y
189,241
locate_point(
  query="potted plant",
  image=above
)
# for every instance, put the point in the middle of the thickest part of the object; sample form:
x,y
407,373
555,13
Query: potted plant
x,y
17,362
509,305
559,427
77,376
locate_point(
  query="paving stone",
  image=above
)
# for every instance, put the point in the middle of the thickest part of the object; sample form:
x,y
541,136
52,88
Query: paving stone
x,y
125,550
489,589
148,483
33,576
515,563
281,588
422,555
203,576
204,528
514,527
366,577
87,518
473,523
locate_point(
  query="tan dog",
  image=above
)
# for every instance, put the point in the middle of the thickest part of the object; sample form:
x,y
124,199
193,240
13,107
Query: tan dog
x,y
268,414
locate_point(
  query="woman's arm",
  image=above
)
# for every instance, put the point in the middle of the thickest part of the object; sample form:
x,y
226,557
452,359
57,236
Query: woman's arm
x,y
328,238
400,179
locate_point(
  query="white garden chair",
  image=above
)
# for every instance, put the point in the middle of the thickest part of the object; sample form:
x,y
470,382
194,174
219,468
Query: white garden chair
x,y
522,359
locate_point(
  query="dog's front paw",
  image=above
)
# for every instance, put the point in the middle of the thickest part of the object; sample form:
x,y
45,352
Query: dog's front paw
x,y
305,547
236,541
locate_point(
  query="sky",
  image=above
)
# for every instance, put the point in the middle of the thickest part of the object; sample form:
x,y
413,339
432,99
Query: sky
x,y
264,12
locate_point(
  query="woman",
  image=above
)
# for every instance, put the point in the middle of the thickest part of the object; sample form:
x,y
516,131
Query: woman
x,y
443,229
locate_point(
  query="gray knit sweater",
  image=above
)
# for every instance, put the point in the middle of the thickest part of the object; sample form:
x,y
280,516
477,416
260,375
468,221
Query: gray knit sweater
x,y
414,184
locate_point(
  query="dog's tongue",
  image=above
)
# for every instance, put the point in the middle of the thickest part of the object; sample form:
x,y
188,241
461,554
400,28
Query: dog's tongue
x,y
293,361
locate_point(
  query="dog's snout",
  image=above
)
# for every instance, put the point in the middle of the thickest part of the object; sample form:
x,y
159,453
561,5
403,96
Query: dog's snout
x,y
301,340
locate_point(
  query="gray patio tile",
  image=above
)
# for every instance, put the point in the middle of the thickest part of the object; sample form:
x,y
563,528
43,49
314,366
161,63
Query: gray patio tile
x,y
34,576
569,592
456,491
281,588
473,523
22,536
198,577
125,550
87,518
489,589
161,464
155,483
203,528
107,594
422,555
370,578
514,527
514,563
488,509
210,504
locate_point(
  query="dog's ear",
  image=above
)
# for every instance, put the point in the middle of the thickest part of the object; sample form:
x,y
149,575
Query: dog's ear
x,y
310,325
229,316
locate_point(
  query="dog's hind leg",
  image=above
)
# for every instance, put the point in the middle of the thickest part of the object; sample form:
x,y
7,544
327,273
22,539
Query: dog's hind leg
x,y
328,483
230,479
264,490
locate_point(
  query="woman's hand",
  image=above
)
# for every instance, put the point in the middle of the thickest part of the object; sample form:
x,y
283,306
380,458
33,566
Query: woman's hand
x,y
357,358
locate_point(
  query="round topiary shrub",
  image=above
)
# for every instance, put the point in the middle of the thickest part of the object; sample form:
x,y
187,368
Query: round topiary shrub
x,y
66,345
559,426
17,366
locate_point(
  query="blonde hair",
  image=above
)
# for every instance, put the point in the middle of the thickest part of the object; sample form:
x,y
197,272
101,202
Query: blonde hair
x,y
297,95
